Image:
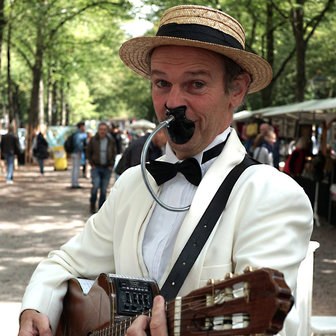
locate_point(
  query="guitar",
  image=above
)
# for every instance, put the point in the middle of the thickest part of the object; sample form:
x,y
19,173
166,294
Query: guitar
x,y
256,302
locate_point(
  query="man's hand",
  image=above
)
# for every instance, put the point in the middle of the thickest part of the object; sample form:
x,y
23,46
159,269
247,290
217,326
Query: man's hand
x,y
156,325
33,323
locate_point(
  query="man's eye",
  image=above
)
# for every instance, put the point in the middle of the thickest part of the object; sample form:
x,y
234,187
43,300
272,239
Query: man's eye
x,y
198,85
162,83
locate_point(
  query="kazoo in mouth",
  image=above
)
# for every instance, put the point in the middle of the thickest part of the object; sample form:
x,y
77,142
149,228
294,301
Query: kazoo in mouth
x,y
180,129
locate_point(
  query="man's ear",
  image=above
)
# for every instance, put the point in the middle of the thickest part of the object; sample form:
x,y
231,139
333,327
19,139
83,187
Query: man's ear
x,y
239,89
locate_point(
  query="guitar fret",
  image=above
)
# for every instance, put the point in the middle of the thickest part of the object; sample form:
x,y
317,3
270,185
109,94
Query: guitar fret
x,y
177,316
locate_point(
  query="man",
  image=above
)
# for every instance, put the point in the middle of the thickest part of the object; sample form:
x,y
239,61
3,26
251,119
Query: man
x,y
268,219
132,154
100,152
9,148
76,155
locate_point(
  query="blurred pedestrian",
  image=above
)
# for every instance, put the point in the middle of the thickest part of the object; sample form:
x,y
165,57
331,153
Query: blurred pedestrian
x,y
264,149
295,163
132,155
116,133
86,168
40,150
101,152
9,148
76,155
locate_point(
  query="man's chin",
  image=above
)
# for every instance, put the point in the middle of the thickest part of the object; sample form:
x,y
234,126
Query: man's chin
x,y
183,151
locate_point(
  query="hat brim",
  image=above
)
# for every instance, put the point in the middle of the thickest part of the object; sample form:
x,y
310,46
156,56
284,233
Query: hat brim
x,y
136,52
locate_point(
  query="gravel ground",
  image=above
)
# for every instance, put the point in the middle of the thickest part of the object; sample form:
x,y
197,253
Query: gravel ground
x,y
39,213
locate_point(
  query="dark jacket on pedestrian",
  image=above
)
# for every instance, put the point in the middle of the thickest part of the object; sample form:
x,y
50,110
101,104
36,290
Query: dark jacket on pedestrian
x,y
132,154
9,145
40,150
93,151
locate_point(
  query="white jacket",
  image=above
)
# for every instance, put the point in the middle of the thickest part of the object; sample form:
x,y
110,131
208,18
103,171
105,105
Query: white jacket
x,y
267,223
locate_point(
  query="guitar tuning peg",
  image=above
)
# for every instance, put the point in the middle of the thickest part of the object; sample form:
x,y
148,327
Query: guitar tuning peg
x,y
228,276
248,269
211,281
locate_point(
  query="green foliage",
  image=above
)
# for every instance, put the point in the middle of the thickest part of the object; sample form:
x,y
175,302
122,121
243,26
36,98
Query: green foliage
x,y
80,40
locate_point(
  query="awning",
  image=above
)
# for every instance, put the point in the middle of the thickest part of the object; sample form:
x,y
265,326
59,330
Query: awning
x,y
314,105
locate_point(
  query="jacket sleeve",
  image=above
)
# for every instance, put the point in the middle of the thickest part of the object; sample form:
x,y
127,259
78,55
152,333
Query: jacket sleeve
x,y
86,255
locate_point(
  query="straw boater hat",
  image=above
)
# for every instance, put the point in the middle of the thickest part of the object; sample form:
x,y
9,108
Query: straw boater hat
x,y
203,27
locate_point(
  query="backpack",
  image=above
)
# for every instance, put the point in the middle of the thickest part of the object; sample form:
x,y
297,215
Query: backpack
x,y
69,144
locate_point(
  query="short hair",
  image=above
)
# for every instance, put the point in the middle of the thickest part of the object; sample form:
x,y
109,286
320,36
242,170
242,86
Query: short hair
x,y
10,129
103,123
80,124
231,71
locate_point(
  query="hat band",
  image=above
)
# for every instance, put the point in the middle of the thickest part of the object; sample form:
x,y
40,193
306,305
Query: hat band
x,y
200,33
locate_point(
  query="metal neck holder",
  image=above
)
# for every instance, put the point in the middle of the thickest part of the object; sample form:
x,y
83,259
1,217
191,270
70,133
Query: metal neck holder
x,y
163,124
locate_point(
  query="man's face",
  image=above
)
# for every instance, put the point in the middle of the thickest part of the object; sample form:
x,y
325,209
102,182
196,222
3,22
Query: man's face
x,y
102,131
193,77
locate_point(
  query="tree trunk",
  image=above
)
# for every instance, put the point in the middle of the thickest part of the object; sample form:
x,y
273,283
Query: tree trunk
x,y
298,30
266,94
54,117
11,114
49,98
34,106
63,106
41,104
2,27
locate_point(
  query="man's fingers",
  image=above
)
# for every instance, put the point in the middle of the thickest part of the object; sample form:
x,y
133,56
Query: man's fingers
x,y
139,327
158,323
33,323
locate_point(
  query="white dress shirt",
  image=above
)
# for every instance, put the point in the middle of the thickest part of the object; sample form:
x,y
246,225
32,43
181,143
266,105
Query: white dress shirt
x,y
164,225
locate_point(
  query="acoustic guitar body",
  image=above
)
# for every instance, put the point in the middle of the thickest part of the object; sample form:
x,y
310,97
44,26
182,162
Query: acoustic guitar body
x,y
110,300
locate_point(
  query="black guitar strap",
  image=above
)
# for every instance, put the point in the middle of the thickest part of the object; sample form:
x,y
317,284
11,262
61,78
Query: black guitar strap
x,y
202,231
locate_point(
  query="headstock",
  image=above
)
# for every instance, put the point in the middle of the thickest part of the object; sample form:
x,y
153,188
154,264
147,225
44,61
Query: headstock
x,y
252,303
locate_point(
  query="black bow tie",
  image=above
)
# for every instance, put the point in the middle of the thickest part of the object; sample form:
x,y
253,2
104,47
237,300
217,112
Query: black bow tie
x,y
190,168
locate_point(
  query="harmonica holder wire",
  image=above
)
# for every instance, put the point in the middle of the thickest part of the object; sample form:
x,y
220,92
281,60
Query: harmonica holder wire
x,y
163,124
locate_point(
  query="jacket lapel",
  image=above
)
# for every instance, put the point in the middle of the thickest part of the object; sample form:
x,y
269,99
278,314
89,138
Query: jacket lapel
x,y
232,154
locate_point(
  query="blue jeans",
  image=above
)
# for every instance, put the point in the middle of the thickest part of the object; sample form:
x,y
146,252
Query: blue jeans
x,y
100,180
10,166
41,164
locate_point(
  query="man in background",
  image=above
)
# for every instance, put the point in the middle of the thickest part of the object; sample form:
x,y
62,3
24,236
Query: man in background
x,y
9,148
100,152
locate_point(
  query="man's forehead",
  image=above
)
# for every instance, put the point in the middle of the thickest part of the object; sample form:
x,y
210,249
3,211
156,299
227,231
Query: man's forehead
x,y
190,61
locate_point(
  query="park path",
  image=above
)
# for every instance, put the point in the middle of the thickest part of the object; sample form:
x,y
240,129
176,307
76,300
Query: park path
x,y
38,214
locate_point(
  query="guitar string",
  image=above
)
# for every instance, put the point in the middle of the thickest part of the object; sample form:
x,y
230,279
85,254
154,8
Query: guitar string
x,y
169,310
120,325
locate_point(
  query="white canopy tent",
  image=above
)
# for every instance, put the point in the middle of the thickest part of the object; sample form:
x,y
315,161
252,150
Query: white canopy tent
x,y
315,106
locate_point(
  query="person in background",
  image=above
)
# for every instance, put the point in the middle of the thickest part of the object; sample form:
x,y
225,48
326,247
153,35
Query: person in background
x,y
132,155
87,170
40,150
83,155
264,150
76,155
100,152
295,162
9,148
115,132
198,70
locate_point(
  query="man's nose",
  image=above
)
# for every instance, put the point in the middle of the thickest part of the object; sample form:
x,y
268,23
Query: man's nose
x,y
175,97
